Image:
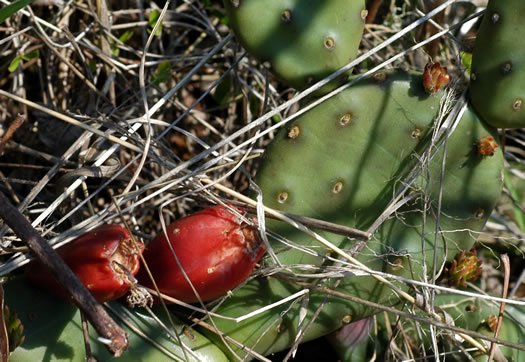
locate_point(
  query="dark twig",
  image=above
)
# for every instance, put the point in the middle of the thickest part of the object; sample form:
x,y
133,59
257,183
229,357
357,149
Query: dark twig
x,y
87,345
316,224
19,120
117,341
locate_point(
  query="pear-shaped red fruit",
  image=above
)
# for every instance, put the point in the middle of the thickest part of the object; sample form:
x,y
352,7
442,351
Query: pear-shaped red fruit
x,y
103,259
216,250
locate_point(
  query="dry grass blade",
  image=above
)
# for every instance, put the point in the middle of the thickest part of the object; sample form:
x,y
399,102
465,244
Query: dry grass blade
x,y
4,337
506,268
70,120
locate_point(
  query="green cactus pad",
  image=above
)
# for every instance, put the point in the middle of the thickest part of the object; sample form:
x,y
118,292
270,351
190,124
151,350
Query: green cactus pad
x,y
342,162
303,40
469,313
53,331
498,65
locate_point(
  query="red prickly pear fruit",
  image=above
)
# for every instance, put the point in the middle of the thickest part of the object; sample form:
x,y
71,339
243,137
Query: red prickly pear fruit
x,y
97,258
216,250
465,268
435,77
487,146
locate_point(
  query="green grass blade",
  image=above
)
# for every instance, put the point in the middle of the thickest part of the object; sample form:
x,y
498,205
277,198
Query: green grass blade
x,y
13,8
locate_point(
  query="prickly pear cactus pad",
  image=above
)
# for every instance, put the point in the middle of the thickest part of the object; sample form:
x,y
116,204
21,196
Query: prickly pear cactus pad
x,y
53,330
303,40
479,315
471,187
342,162
470,313
498,65
338,162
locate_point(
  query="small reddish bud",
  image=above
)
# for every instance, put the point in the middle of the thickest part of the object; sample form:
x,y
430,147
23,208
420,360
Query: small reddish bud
x,y
216,250
487,146
435,77
465,268
103,259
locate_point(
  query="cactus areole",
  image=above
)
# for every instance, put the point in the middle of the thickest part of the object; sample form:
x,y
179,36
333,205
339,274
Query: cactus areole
x,y
103,259
216,250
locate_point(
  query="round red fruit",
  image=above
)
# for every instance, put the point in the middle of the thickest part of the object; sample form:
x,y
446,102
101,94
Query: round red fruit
x,y
216,250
